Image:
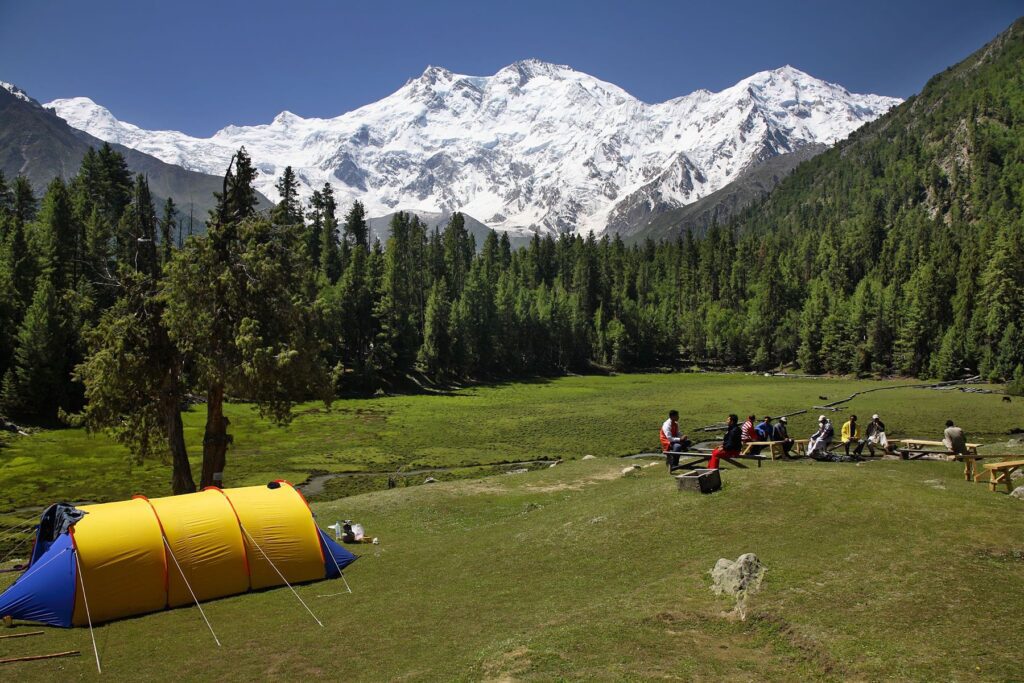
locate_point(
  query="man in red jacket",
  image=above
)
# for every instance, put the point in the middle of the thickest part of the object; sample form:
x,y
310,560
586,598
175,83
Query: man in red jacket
x,y
672,444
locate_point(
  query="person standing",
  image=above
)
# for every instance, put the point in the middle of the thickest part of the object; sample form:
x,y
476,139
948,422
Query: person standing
x,y
955,439
781,433
851,434
731,443
672,444
875,433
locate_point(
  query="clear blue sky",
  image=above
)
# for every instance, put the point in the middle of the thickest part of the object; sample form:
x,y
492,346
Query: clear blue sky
x,y
197,66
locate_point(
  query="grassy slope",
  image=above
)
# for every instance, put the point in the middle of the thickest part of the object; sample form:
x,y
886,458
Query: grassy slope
x,y
562,418
887,569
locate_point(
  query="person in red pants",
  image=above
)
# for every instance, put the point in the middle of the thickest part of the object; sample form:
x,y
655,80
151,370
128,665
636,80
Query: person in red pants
x,y
730,447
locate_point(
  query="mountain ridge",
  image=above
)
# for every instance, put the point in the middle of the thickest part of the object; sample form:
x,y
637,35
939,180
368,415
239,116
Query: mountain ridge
x,y
533,147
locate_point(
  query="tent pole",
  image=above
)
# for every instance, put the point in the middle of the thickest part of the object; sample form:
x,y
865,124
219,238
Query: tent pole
x,y
88,616
171,553
294,592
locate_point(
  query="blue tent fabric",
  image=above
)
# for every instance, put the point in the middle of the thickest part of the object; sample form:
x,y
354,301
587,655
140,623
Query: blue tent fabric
x,y
342,557
46,591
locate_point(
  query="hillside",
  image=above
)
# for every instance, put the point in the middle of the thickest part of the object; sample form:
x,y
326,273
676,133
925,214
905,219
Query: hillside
x,y
753,184
578,572
900,249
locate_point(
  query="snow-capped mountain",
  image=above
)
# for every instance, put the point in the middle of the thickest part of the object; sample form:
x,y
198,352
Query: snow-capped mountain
x,y
535,146
16,91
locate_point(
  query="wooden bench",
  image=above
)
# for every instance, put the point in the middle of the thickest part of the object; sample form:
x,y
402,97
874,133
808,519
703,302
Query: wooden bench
x,y
914,445
696,459
999,473
972,472
774,447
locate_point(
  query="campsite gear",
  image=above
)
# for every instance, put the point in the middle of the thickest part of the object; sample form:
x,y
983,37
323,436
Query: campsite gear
x,y
137,556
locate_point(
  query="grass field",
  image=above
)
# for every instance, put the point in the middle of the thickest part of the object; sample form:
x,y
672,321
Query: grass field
x,y
885,570
563,418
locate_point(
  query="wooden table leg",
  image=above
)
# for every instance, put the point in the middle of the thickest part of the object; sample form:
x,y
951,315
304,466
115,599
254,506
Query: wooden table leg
x,y
968,468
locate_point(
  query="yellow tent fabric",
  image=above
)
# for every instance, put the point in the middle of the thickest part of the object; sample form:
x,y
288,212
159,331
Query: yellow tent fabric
x,y
126,568
122,561
279,522
203,535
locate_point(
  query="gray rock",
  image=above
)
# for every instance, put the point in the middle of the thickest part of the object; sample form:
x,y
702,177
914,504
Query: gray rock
x,y
630,470
1017,474
430,480
589,457
554,464
737,579
1018,493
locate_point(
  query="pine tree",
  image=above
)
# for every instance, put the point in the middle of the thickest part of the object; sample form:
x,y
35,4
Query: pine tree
x,y
288,210
330,255
434,354
35,384
168,226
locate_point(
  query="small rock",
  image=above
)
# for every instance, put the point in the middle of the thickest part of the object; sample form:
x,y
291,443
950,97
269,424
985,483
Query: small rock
x,y
1018,493
598,520
652,464
430,480
554,464
630,469
589,457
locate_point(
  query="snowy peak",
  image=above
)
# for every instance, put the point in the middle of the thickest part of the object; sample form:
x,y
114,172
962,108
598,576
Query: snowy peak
x,y
17,92
536,146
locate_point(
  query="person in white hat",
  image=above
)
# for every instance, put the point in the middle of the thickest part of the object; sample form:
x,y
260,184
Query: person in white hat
x,y
817,445
875,433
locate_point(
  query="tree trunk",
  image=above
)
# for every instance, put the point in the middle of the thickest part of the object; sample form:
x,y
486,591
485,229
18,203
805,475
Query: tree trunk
x,y
181,473
215,439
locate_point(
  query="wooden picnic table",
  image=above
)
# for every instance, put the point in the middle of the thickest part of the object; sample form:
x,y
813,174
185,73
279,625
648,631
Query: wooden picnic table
x,y
999,473
798,449
696,458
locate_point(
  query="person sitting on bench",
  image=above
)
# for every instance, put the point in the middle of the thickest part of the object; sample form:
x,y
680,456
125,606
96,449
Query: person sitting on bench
x,y
781,433
672,444
817,445
955,439
875,433
851,434
731,443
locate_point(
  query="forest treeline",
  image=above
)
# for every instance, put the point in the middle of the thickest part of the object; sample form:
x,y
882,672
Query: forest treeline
x,y
899,251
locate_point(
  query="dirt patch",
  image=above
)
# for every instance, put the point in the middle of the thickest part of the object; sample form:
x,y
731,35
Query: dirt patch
x,y
809,649
1001,554
505,667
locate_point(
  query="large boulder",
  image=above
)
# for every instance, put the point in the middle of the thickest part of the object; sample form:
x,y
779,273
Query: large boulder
x,y
1018,493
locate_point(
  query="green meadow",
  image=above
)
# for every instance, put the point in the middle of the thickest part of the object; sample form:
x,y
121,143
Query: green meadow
x,y
562,418
884,570
879,570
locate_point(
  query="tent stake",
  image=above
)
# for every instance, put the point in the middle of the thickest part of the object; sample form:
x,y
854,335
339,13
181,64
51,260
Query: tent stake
x,y
22,635
171,553
69,653
87,614
297,597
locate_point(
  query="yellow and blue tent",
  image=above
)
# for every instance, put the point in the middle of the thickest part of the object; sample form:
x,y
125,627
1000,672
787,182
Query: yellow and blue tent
x,y
102,562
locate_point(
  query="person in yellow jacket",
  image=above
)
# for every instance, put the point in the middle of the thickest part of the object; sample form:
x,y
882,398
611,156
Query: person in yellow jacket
x,y
851,434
